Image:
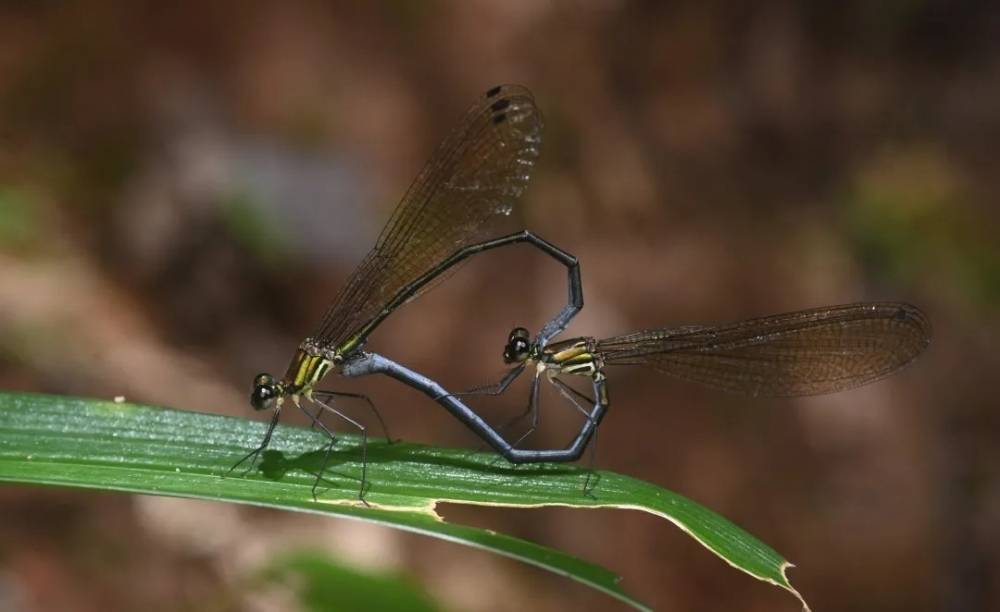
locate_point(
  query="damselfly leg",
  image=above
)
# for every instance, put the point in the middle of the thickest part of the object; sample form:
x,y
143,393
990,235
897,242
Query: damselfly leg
x,y
255,453
330,395
362,430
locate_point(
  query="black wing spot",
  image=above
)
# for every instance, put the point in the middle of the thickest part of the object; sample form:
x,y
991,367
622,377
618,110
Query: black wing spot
x,y
499,118
492,92
499,105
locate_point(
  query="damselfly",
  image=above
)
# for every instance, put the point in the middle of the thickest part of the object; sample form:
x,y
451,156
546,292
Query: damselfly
x,y
809,352
473,179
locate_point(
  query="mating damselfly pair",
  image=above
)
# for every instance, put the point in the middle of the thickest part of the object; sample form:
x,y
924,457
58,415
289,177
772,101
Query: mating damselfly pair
x,y
473,180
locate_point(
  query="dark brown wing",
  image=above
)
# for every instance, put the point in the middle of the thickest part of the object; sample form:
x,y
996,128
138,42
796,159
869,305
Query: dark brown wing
x,y
799,353
473,179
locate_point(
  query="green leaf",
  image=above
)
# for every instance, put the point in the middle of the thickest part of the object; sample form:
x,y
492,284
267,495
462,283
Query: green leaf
x,y
19,217
142,449
323,585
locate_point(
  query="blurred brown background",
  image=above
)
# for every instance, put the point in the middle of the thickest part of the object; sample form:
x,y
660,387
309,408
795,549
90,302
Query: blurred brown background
x,y
183,189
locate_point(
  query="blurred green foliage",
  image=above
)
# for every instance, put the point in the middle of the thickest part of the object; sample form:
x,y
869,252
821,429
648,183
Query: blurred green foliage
x,y
322,585
20,223
910,216
252,228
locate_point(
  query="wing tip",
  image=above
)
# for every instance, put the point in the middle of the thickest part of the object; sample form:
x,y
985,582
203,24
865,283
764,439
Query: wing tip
x,y
910,315
508,90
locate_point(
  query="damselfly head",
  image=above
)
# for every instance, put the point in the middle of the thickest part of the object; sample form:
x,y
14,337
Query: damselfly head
x,y
266,392
518,347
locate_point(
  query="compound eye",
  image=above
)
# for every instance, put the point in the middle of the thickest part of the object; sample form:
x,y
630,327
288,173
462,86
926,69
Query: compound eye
x,y
265,393
519,333
263,379
518,347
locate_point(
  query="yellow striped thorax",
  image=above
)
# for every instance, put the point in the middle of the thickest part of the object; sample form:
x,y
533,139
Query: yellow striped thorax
x,y
306,369
573,356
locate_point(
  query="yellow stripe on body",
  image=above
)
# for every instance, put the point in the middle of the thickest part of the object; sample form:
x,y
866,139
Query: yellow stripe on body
x,y
576,358
305,371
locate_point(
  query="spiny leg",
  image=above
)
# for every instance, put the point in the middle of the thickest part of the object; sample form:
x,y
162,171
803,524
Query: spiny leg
x,y
491,389
371,405
329,449
592,475
314,421
257,451
568,392
531,410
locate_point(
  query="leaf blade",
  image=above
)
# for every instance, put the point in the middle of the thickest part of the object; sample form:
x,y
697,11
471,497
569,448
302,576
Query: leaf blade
x,y
98,444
